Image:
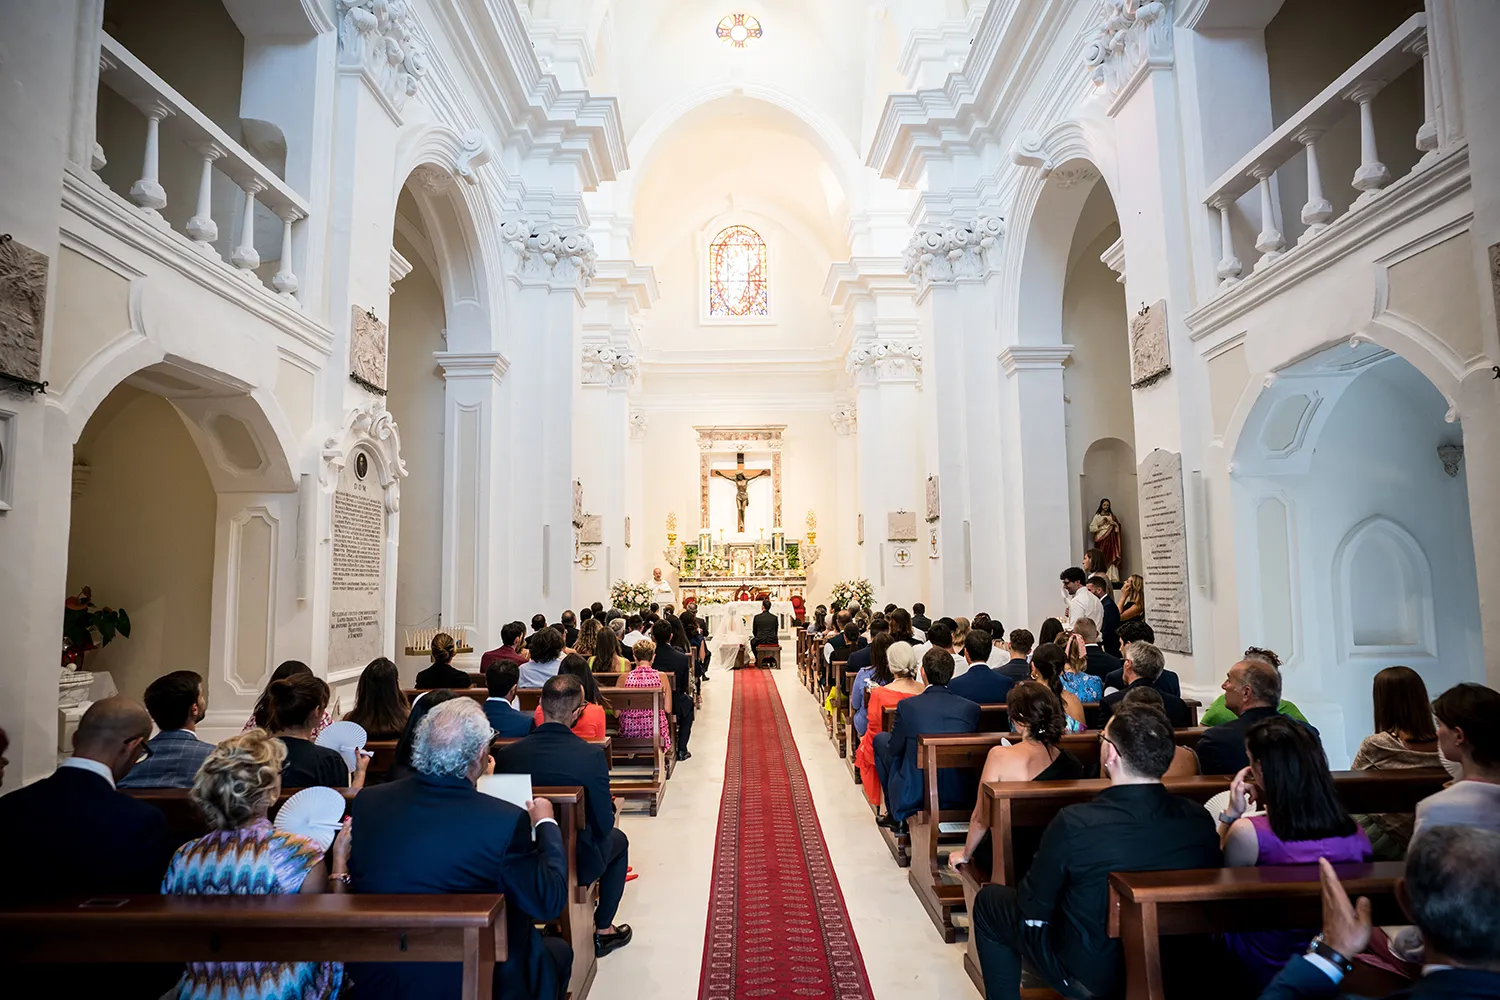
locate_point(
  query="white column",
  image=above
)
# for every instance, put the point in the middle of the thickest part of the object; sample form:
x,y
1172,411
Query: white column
x,y
601,442
887,374
475,484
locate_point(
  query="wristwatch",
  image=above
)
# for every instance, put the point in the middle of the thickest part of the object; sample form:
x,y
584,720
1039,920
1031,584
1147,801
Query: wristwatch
x,y
1319,946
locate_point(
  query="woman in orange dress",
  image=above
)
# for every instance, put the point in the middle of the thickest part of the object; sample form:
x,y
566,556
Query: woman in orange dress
x,y
901,659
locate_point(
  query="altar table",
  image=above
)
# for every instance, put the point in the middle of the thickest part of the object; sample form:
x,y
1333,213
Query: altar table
x,y
716,613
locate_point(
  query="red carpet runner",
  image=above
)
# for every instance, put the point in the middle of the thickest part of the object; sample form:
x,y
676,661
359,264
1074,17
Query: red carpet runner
x,y
777,923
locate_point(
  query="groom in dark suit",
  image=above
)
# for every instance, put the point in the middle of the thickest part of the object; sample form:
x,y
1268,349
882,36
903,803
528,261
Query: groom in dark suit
x,y
765,629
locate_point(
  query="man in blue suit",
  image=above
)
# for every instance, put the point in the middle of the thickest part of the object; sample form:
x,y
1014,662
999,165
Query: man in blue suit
x,y
1451,884
981,683
553,755
935,712
437,833
503,679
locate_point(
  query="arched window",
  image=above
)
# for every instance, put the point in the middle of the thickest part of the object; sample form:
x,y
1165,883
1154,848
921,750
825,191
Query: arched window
x,y
737,274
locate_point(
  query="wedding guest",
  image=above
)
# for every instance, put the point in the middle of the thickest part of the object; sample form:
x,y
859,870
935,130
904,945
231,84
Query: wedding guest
x,y
1076,677
292,704
1037,718
442,673
1303,821
901,661
287,668
590,725
1468,732
1184,760
1050,630
670,659
1100,663
877,674
1079,601
244,856
935,712
1018,667
402,768
1219,713
380,705
177,703
502,681
546,658
919,617
1404,738
510,650
607,657
588,635
1048,664
1252,690
981,683
1144,665
1110,623
1133,598
636,723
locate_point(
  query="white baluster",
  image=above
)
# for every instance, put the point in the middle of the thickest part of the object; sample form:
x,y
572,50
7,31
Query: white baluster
x,y
285,280
201,227
1270,242
148,192
1318,210
97,162
1229,266
244,257
1372,175
1427,135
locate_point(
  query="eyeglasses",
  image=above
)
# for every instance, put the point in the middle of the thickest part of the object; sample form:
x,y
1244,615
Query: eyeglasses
x,y
145,754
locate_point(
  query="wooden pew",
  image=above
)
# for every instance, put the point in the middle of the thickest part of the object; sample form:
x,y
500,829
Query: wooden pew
x,y
284,928
1144,906
530,698
479,694
939,893
1008,807
851,738
654,788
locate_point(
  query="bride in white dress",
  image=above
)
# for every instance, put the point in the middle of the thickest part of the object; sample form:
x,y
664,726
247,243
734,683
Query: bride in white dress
x,y
733,644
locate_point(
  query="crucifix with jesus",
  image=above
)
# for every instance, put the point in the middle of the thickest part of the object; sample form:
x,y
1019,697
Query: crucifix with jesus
x,y
741,477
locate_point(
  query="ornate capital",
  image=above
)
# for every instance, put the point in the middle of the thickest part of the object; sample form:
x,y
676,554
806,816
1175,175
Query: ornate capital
x,y
844,417
541,250
378,37
638,423
608,366
1133,34
885,361
940,253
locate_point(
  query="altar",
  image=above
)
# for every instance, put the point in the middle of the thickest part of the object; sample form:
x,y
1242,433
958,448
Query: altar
x,y
716,613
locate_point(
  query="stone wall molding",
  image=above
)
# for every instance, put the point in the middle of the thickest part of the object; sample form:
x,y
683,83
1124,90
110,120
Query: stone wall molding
x,y
885,361
377,39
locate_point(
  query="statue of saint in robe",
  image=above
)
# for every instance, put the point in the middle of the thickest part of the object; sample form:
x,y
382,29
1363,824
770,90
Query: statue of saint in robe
x,y
1104,534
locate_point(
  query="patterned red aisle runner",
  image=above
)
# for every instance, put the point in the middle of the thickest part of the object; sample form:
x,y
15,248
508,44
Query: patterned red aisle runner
x,y
777,923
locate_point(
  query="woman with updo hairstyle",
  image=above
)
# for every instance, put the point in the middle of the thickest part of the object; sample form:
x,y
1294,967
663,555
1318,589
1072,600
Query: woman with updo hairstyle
x,y
901,658
1086,687
242,856
1048,663
287,668
292,704
1036,716
442,673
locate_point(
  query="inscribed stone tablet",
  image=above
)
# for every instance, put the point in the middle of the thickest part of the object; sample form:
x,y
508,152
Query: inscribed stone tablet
x,y
1149,360
23,297
1164,550
358,579
901,526
367,349
592,530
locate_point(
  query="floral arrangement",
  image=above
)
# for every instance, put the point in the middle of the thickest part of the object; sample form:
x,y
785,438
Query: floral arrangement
x,y
629,596
713,562
87,627
767,561
846,591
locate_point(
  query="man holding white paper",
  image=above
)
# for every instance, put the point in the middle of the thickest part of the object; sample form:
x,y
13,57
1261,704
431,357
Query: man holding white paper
x,y
438,834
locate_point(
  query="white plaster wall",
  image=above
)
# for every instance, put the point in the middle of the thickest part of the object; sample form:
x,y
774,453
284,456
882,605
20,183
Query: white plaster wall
x,y
143,538
416,401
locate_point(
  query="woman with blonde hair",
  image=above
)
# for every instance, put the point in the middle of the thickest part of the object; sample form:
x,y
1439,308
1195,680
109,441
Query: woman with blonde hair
x,y
442,673
1133,598
588,638
635,723
1075,676
960,634
243,856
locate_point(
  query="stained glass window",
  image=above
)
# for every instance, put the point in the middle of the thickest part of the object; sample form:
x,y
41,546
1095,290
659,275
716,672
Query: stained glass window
x,y
737,29
737,274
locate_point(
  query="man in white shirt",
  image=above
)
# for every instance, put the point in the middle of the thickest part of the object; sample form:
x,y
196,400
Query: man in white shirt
x,y
1081,603
661,590
633,633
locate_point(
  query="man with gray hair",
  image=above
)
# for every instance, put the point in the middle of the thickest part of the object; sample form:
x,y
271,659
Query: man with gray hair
x,y
1143,668
437,833
1450,890
1252,690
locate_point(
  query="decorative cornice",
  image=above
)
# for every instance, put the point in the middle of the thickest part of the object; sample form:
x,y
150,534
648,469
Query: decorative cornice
x,y
1034,358
845,418
941,253
373,426
885,361
609,366
542,250
375,37
1113,258
469,365
1134,36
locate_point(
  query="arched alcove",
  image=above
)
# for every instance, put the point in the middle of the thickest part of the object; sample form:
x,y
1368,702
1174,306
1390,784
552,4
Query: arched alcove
x,y
1394,616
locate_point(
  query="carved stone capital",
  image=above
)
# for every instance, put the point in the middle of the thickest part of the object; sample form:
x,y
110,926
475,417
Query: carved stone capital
x,y
946,252
638,423
1132,34
844,417
608,366
541,250
378,37
885,361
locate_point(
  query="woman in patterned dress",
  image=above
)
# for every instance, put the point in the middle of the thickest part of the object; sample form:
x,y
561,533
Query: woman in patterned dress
x,y
1076,678
243,856
635,723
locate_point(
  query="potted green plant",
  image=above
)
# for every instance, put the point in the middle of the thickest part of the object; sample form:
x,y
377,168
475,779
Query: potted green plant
x,y
86,627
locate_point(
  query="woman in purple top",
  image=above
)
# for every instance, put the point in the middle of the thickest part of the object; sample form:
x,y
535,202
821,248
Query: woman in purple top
x,y
1303,821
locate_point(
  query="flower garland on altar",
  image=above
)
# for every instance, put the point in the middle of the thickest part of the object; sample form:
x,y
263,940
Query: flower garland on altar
x,y
846,591
629,596
767,561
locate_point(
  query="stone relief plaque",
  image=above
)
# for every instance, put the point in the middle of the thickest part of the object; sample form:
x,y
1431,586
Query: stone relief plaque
x,y
1495,275
358,579
901,526
1148,345
577,503
1164,550
591,532
367,344
932,498
23,298
627,531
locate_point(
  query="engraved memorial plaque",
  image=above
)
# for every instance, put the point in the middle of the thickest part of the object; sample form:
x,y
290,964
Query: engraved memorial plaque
x,y
23,298
367,346
592,530
901,526
358,578
1149,360
1164,550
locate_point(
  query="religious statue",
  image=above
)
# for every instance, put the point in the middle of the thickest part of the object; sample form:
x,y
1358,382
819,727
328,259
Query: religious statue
x,y
741,483
1104,535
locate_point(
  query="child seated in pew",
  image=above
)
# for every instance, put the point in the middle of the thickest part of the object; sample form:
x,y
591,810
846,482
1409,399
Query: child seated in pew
x,y
1037,718
1303,821
636,723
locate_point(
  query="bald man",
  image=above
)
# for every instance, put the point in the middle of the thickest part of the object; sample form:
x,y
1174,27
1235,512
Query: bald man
x,y
1252,690
73,833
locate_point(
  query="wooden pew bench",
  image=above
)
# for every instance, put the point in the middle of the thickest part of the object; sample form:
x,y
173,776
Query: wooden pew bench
x,y
479,694
288,928
653,788
851,737
940,892
1026,807
1146,906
